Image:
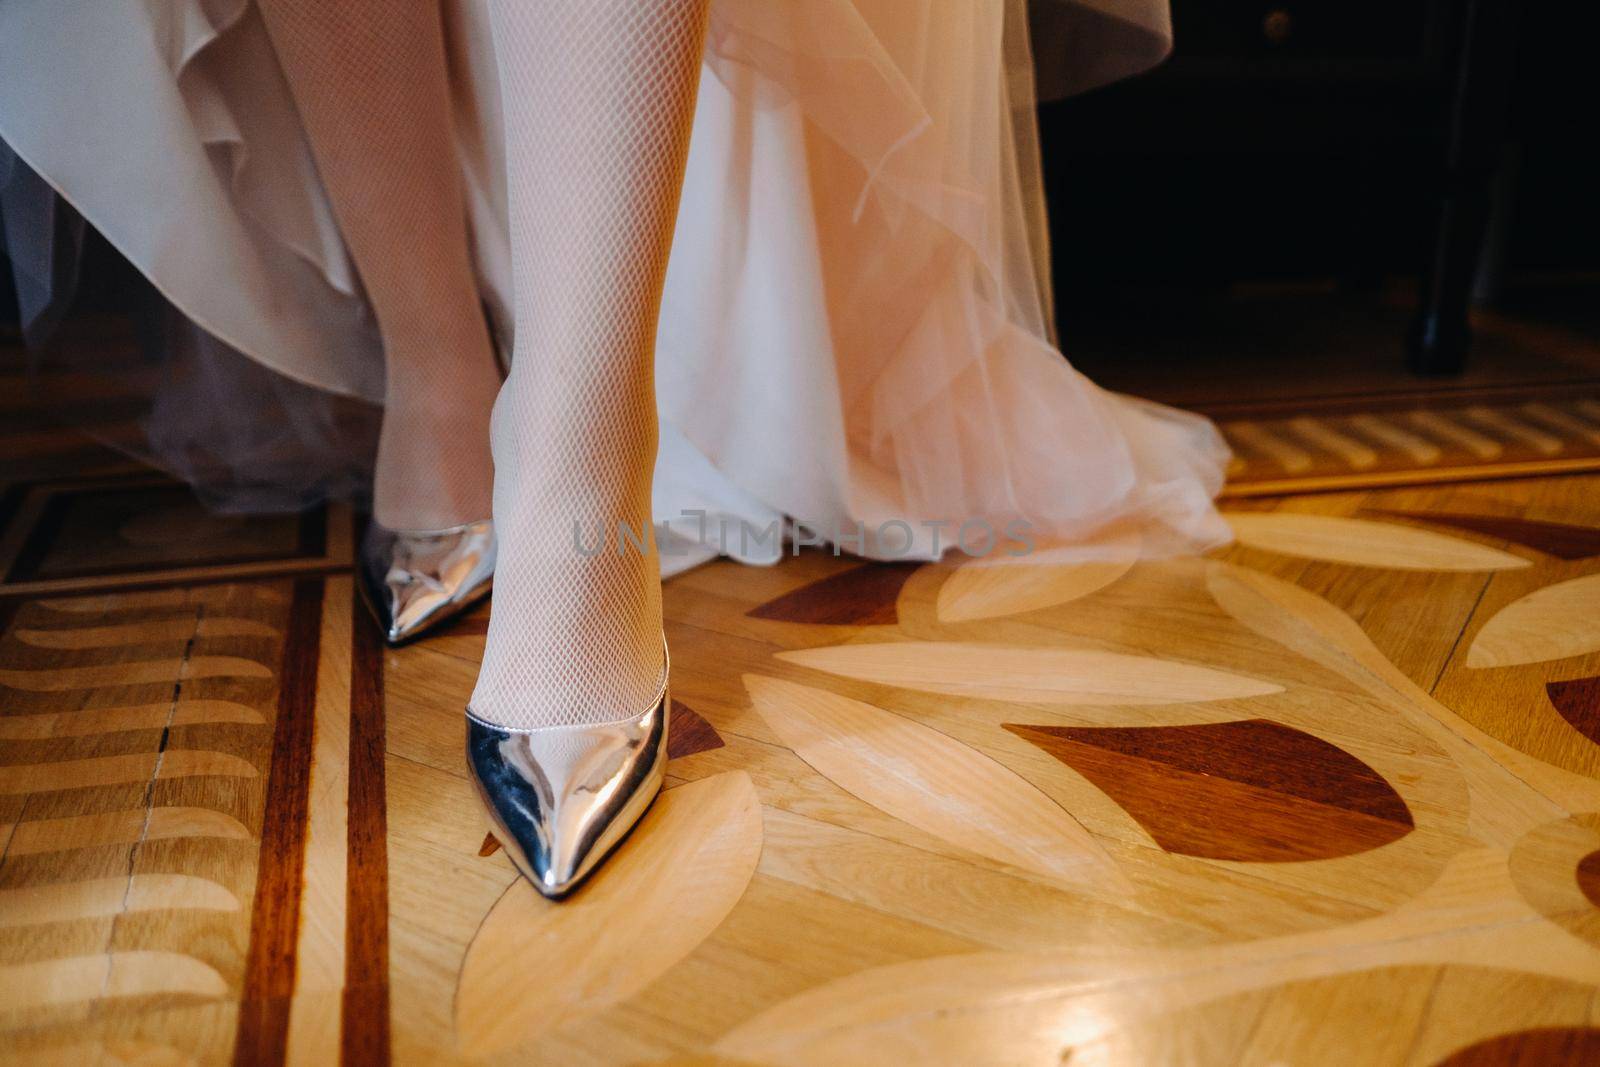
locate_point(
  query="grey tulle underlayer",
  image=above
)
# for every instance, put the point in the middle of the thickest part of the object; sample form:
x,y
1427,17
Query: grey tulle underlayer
x,y
105,352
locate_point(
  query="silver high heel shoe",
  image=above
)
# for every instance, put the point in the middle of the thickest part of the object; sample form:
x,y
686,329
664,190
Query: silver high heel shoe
x,y
413,580
562,797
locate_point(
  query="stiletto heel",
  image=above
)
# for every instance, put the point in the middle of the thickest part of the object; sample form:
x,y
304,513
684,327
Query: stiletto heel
x,y
413,580
562,797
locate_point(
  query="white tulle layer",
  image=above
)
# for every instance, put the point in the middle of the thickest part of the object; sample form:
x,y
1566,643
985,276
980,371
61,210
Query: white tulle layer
x,y
855,325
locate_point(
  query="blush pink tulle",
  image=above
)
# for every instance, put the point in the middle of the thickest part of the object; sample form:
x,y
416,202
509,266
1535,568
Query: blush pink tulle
x,y
856,325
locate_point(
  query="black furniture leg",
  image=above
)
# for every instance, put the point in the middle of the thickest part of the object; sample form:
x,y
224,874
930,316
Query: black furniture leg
x,y
1475,131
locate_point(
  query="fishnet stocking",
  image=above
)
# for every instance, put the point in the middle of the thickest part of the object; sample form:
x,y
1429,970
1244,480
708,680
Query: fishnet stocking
x,y
598,100
370,82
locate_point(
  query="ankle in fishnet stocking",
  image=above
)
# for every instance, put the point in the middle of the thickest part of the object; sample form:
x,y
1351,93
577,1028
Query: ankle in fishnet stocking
x,y
370,81
598,97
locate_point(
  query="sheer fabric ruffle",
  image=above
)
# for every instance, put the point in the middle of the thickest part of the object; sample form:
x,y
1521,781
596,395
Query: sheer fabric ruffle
x,y
856,324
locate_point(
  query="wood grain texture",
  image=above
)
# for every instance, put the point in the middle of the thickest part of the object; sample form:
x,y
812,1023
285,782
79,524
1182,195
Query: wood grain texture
x,y
998,585
1417,449
1559,539
139,633
1588,876
862,936
1352,450
1457,433
1011,1007
1255,438
1380,479
862,596
1578,701
62,902
689,733
107,976
1569,421
1518,792
123,827
1531,1048
931,781
1364,543
1554,869
364,1030
118,1053
148,599
97,771
122,674
1043,674
262,1033
313,1025
666,889
111,720
1554,622
1251,791
1508,425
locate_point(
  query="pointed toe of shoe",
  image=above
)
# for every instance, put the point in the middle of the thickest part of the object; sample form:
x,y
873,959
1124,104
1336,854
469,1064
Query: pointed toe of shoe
x,y
416,579
562,797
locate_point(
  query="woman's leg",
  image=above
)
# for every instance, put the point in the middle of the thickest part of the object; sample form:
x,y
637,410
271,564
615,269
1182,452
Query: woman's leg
x,y
598,98
370,81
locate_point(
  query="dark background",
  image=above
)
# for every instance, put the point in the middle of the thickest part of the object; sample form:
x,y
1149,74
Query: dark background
x,y
1306,138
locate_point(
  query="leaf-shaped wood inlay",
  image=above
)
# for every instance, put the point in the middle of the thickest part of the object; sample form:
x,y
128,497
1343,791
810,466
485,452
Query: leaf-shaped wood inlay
x,y
1578,701
1028,673
1513,791
117,1052
1552,538
535,965
113,720
58,902
109,674
861,596
106,975
1550,1045
136,633
119,770
106,603
688,732
1364,543
993,586
1555,622
932,781
122,827
1251,791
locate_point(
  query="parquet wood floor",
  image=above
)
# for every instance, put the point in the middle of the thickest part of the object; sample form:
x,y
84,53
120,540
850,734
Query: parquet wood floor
x,y
1329,796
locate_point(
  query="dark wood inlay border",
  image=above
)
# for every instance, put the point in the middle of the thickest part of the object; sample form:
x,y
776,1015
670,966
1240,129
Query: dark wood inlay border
x,y
364,1035
262,1033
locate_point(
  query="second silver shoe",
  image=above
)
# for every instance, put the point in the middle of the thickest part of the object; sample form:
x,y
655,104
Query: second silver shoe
x,y
416,579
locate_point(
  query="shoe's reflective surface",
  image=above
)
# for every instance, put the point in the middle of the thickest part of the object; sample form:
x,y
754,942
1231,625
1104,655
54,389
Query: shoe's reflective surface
x,y
562,797
416,579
